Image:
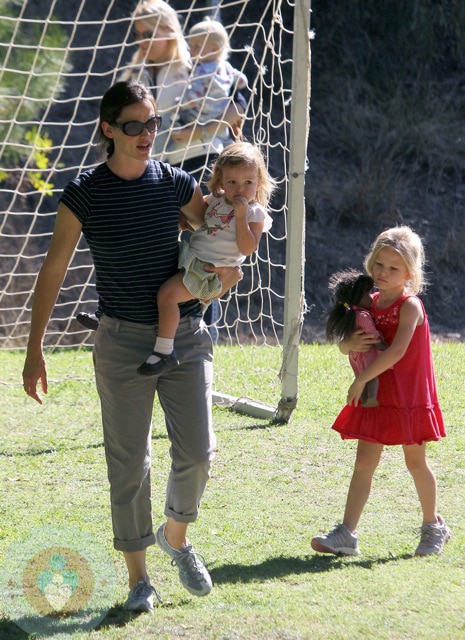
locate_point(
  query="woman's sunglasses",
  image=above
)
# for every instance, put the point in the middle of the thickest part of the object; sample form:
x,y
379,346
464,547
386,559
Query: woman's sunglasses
x,y
135,128
146,35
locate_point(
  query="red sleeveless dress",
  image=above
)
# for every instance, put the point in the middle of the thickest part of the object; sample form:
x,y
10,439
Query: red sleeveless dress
x,y
408,411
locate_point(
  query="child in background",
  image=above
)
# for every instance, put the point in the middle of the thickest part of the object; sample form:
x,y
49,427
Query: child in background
x,y
352,303
235,219
408,413
213,81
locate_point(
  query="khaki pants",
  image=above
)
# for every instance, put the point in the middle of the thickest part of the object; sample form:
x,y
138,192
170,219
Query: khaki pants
x,y
127,398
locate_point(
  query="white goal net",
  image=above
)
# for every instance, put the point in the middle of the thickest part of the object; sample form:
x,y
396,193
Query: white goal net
x,y
56,61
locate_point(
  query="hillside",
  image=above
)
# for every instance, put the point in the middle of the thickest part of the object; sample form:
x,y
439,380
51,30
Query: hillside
x,y
386,145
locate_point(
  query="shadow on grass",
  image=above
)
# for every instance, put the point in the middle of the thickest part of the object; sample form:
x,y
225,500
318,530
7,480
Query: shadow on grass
x,y
116,617
11,631
283,566
258,426
54,450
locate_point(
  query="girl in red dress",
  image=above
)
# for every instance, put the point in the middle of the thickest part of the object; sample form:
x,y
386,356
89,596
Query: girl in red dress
x,y
408,413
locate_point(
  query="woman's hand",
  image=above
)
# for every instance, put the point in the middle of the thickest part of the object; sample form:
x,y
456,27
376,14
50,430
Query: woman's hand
x,y
186,133
34,370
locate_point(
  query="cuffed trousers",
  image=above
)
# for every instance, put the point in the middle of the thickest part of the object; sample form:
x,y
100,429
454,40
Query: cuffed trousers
x,y
127,399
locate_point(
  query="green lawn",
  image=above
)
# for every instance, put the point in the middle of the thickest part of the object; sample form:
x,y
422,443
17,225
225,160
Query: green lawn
x,y
272,488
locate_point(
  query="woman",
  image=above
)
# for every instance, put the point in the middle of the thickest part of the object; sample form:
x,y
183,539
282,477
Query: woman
x,y
128,210
162,63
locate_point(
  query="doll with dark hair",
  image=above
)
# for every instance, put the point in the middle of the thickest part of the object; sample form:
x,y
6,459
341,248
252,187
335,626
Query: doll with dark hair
x,y
351,292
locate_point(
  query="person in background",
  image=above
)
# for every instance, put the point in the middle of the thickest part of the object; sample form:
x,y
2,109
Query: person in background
x,y
163,63
127,208
212,82
409,413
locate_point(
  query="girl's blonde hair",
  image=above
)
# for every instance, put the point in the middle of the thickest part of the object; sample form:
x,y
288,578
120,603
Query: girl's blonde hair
x,y
157,13
214,32
409,246
243,154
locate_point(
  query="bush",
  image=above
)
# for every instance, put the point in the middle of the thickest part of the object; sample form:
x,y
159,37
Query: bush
x,y
388,101
32,75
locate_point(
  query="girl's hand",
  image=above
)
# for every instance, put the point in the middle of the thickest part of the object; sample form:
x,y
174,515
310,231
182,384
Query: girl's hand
x,y
358,341
355,392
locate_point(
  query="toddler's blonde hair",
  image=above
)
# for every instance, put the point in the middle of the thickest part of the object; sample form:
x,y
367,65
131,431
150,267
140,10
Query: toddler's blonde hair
x,y
214,32
248,155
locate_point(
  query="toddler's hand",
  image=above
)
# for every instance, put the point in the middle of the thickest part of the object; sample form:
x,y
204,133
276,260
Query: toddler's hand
x,y
241,206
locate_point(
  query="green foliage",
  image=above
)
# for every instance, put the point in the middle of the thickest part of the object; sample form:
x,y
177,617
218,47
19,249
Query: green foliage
x,y
32,67
41,145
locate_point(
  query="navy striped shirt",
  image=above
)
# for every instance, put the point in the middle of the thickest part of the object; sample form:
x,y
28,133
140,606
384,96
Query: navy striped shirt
x,y
131,227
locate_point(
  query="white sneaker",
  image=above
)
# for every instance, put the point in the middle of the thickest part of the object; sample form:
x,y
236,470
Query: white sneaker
x,y
433,538
338,541
140,597
192,571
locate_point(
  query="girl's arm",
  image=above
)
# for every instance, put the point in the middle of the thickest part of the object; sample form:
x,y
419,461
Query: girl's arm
x,y
248,234
411,315
358,341
51,275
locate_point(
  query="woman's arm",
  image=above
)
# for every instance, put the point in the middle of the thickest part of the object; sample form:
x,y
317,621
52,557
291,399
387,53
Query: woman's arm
x,y
194,210
411,315
51,275
232,118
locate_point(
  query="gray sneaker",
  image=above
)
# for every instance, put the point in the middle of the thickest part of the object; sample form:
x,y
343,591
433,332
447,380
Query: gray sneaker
x,y
140,597
433,538
339,541
192,573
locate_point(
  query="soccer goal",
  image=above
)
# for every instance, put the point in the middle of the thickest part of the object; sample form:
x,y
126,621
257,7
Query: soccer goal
x,y
57,60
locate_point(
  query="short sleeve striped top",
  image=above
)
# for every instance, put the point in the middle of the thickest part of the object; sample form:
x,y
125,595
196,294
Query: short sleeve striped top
x,y
131,227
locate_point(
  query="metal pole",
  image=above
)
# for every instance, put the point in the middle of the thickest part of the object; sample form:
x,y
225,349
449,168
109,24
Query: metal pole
x,y
295,247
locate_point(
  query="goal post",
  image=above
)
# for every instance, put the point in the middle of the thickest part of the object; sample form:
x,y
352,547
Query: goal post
x,y
294,300
56,61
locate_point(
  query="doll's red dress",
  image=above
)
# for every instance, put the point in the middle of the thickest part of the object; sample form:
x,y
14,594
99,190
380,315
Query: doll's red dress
x,y
409,410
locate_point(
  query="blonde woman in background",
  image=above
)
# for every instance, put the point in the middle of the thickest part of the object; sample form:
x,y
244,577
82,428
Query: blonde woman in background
x,y
162,62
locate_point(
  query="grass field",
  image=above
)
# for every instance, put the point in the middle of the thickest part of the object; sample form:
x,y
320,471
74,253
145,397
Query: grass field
x,y
272,488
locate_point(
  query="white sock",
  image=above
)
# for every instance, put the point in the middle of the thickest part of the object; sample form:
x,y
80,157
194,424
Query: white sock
x,y
162,345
